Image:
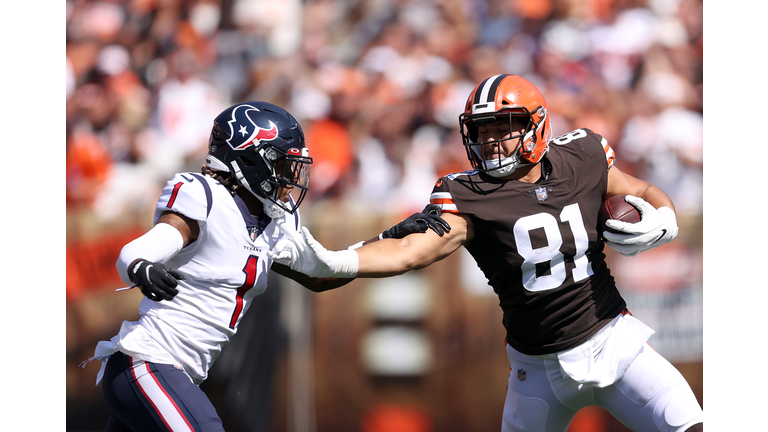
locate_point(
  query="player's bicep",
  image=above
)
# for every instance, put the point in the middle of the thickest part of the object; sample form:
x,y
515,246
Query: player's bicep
x,y
188,227
621,183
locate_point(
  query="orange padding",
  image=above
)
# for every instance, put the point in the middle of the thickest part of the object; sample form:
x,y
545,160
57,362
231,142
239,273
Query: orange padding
x,y
396,418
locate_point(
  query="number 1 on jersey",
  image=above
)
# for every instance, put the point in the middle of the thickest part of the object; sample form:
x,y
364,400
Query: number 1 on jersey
x,y
250,280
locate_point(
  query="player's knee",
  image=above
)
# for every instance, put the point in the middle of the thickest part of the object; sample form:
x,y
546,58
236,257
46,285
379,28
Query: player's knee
x,y
677,409
523,413
698,427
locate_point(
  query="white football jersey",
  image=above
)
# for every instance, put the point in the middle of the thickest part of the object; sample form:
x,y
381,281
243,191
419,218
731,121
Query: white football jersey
x,y
224,269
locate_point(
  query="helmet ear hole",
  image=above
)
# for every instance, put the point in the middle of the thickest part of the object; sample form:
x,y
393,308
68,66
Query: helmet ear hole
x,y
247,162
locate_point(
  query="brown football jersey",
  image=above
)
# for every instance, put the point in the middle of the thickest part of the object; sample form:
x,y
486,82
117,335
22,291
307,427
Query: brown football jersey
x,y
538,243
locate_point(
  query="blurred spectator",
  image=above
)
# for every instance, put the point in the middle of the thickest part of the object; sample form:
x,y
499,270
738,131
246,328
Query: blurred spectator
x,y
88,165
185,104
331,150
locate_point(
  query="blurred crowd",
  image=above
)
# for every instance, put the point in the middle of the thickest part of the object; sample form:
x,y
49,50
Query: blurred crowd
x,y
378,86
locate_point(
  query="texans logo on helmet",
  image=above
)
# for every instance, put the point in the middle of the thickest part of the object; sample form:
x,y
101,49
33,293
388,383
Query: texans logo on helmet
x,y
243,132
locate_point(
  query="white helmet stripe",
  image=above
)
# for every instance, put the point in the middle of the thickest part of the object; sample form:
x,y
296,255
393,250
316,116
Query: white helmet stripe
x,y
487,88
486,93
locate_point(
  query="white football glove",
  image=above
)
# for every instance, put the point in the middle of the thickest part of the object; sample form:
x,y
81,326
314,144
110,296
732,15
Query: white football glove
x,y
304,254
656,227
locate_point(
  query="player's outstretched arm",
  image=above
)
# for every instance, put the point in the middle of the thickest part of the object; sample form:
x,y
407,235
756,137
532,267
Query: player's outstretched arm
x,y
391,257
428,219
312,284
388,257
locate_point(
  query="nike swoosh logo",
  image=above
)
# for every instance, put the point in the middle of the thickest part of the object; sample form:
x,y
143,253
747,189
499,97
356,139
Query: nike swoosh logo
x,y
187,179
663,233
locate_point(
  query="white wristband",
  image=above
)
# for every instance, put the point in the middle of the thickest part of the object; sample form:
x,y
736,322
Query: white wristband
x,y
347,264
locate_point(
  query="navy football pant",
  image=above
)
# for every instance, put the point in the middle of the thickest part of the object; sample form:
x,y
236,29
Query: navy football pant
x,y
148,397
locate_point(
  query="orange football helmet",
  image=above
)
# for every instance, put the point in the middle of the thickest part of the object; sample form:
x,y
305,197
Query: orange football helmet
x,y
502,96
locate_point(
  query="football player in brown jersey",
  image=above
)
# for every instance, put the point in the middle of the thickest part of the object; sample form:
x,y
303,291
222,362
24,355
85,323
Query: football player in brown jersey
x,y
527,212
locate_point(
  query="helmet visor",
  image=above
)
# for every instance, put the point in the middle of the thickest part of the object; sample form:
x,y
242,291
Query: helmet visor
x,y
295,172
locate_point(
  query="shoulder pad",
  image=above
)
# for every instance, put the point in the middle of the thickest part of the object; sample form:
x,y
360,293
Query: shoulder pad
x,y
188,194
441,195
454,176
583,133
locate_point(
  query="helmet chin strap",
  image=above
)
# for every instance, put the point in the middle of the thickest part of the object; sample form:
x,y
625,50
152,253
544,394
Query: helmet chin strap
x,y
271,209
216,164
499,168
504,167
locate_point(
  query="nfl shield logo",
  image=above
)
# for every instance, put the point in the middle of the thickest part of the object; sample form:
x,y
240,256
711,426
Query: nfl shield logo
x,y
521,374
541,193
254,232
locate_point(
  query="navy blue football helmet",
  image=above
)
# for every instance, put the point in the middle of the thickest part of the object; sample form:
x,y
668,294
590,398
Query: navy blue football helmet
x,y
262,146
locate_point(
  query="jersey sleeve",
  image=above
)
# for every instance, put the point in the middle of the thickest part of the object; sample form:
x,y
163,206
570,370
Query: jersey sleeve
x,y
610,156
441,196
187,194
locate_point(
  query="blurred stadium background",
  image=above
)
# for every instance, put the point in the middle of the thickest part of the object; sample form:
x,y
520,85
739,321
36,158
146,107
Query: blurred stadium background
x,y
378,86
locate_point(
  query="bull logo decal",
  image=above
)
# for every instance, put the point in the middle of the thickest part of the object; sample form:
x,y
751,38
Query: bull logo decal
x,y
243,132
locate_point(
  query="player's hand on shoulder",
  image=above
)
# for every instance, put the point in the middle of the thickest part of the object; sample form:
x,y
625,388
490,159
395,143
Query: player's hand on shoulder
x,y
429,218
656,227
154,280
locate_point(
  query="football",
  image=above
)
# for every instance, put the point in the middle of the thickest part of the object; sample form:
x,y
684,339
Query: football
x,y
616,208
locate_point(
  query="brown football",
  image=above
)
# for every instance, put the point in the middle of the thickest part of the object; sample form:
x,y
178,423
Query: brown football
x,y
616,208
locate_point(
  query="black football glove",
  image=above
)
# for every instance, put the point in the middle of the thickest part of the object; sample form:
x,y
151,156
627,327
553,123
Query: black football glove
x,y
429,218
155,281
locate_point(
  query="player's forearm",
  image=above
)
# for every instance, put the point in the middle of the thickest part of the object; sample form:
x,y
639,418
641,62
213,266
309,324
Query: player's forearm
x,y
312,284
620,183
390,257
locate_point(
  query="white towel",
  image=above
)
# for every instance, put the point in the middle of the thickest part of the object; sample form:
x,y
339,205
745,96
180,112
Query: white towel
x,y
134,341
606,356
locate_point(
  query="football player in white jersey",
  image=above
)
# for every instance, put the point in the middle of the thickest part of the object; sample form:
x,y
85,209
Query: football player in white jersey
x,y
203,263
527,212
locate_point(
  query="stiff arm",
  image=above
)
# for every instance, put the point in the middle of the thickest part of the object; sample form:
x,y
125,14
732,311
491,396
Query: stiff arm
x,y
389,257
